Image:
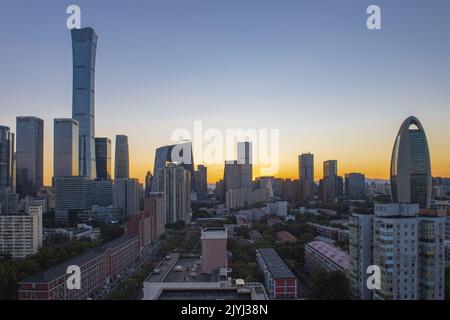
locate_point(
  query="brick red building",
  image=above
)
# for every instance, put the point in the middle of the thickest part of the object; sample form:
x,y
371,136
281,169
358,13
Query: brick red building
x,y
279,280
97,265
155,209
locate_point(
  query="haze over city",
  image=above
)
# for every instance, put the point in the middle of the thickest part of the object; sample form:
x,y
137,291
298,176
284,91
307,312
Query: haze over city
x,y
310,69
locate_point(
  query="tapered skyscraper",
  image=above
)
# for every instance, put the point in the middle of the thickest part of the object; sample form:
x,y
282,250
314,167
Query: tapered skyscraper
x,y
121,165
410,165
84,47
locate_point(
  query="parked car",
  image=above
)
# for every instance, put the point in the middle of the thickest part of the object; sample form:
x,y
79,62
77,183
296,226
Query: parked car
x,y
178,268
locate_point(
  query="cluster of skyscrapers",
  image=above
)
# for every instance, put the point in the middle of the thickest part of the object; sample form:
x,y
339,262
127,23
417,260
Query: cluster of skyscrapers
x,y
82,180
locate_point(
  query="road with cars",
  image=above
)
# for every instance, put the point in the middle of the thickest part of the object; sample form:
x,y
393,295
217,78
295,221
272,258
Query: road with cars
x,y
146,254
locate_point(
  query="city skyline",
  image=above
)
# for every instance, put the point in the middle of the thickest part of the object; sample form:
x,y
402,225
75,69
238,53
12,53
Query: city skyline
x,y
308,121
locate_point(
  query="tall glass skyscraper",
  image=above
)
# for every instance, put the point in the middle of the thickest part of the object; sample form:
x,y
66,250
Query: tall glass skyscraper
x,y
121,164
103,158
410,165
306,167
7,162
245,160
66,151
355,185
330,182
306,175
29,155
84,47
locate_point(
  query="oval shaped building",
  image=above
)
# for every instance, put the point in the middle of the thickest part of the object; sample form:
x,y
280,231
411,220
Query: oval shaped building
x,y
410,165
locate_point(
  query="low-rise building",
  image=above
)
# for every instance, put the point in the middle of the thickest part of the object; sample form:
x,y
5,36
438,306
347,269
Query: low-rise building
x,y
179,277
81,231
284,236
273,221
254,235
98,266
278,208
330,232
279,280
322,255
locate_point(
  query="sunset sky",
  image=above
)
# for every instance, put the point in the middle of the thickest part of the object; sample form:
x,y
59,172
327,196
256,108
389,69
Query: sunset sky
x,y
308,68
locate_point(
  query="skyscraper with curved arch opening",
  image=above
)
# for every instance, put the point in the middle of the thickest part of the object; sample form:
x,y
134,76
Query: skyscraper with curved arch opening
x,y
411,165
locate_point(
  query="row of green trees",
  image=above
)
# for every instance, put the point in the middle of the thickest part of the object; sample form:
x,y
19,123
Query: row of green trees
x,y
56,250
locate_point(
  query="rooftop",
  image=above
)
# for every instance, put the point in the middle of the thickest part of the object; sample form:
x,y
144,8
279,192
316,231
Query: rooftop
x,y
331,252
214,233
275,264
205,294
179,268
323,239
55,272
286,236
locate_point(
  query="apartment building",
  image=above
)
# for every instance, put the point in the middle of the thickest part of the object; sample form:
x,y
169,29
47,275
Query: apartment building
x,y
21,234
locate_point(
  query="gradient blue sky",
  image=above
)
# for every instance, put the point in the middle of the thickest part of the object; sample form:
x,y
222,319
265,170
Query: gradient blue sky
x,y
310,68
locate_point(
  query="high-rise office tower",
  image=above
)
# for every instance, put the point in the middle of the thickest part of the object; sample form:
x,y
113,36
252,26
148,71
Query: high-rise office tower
x,y
244,152
330,182
244,156
84,48
175,181
73,194
168,154
66,153
232,175
219,192
76,194
122,164
103,158
306,167
29,155
306,175
7,160
410,165
201,182
355,185
148,183
126,196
